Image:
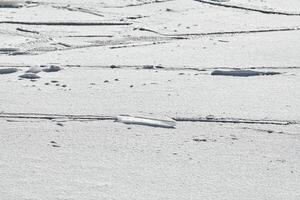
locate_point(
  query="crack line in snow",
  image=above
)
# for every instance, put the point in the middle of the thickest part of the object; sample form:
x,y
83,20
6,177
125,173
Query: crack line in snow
x,y
139,4
247,9
269,131
177,119
234,120
156,67
133,41
78,9
27,31
89,36
68,23
55,116
220,32
137,45
158,40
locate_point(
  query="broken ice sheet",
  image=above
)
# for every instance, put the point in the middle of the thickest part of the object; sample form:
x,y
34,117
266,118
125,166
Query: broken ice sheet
x,y
147,121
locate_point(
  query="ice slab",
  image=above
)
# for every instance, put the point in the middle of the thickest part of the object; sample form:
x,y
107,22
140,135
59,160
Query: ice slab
x,y
147,121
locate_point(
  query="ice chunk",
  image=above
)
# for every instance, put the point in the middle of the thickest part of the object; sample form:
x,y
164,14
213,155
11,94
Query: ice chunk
x,y
147,121
34,69
52,68
243,73
29,76
8,70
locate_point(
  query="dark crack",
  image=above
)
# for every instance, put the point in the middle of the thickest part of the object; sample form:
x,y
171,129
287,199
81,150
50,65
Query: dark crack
x,y
68,23
269,131
159,67
243,73
78,9
233,120
139,4
54,116
247,9
27,31
189,35
136,45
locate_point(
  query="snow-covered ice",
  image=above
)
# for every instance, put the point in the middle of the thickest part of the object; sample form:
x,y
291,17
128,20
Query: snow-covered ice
x,y
153,64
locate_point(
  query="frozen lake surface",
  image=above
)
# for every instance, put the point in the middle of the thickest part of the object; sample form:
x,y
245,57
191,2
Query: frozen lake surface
x,y
207,92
